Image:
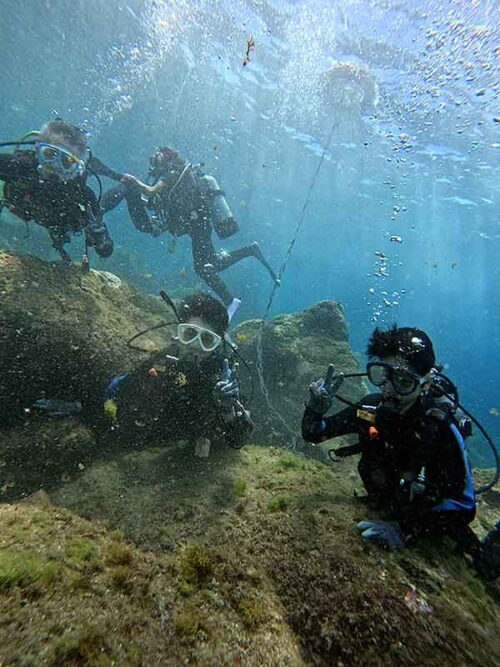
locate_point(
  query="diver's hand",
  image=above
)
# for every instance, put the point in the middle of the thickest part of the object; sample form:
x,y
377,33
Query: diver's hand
x,y
386,533
226,391
57,408
129,180
322,391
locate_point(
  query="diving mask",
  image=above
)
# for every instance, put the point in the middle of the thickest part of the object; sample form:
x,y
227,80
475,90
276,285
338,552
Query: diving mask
x,y
403,381
156,161
190,333
59,161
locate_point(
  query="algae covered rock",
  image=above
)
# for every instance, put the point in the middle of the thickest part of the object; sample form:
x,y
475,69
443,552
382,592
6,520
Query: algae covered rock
x,y
296,349
43,453
275,574
63,332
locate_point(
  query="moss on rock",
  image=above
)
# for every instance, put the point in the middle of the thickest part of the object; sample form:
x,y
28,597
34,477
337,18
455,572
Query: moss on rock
x,y
296,349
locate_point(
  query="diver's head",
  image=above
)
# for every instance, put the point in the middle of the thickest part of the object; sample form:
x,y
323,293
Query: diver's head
x,y
68,136
203,323
401,361
62,150
161,160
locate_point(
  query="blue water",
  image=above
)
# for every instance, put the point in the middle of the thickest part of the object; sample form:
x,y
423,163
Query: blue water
x,y
419,161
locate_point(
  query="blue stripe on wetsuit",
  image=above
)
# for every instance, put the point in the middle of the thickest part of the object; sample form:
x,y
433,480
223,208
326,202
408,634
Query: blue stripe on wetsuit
x,y
468,499
112,387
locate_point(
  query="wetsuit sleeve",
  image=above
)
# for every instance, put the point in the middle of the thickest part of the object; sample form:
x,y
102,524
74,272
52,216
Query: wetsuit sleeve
x,y
316,428
12,167
101,169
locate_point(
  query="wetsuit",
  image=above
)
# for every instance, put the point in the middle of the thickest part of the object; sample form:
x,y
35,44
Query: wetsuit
x,y
398,448
174,401
182,209
62,207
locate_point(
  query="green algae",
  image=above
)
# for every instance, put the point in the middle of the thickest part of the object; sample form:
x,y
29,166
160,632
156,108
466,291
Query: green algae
x,y
239,487
279,503
88,646
117,553
121,578
20,569
187,623
253,612
81,552
196,563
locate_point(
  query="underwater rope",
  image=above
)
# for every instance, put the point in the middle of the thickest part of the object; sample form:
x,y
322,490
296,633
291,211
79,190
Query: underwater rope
x,y
265,318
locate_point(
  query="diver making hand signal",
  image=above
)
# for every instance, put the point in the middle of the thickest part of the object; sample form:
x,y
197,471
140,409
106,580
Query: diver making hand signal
x,y
322,392
413,463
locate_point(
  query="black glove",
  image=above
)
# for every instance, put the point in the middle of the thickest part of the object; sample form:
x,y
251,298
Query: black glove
x,y
386,533
322,392
227,391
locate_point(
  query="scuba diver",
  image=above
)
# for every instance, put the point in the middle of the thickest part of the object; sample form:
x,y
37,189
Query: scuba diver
x,y
183,200
412,443
185,392
45,180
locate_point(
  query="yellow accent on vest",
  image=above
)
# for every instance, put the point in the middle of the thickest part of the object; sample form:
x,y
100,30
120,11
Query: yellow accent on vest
x,y
366,416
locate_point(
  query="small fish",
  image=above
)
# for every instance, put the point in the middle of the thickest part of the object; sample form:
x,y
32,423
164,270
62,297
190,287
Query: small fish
x,y
495,412
454,264
110,410
395,239
171,245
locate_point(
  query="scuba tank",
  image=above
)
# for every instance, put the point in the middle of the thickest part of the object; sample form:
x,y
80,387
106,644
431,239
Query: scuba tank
x,y
221,216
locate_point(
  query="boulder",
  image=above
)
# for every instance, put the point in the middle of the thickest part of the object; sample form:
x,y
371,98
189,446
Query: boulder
x,y
296,349
64,332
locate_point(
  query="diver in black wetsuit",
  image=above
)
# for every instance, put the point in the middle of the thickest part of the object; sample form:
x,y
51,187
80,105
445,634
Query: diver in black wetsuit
x,y
183,200
413,460
187,391
45,180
